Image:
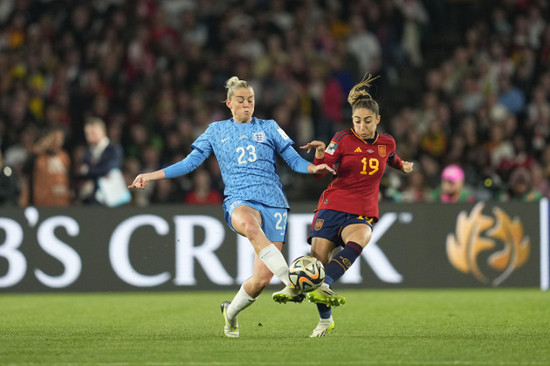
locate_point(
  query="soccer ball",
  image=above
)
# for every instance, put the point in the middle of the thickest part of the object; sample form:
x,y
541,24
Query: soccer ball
x,y
306,273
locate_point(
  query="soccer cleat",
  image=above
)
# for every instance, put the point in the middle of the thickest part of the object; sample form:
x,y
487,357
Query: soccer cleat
x,y
231,328
289,293
325,326
324,295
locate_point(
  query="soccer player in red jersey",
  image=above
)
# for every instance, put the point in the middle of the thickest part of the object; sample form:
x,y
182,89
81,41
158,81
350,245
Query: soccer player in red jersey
x,y
348,208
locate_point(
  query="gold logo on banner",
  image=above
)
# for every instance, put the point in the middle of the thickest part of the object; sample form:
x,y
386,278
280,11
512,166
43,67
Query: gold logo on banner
x,y
478,233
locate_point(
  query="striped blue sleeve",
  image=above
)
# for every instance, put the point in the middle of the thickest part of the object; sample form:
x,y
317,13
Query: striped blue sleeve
x,y
190,163
294,160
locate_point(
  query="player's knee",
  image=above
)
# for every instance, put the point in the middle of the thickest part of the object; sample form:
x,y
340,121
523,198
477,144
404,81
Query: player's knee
x,y
366,238
251,230
361,237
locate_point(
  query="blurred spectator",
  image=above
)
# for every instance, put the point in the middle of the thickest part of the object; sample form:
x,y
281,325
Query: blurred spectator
x,y
364,45
499,148
520,187
540,183
17,154
9,190
538,108
203,193
452,187
416,18
47,173
162,192
148,68
511,97
99,160
430,169
415,189
434,140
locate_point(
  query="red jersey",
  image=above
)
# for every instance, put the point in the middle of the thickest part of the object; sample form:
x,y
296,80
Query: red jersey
x,y
360,165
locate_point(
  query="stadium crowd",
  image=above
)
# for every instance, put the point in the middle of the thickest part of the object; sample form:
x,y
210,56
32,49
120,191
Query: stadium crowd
x,y
463,83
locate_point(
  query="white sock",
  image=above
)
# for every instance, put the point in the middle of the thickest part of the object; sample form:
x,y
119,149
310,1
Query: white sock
x,y
275,261
240,302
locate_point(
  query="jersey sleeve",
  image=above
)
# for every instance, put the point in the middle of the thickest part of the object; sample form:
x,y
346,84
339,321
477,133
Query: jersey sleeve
x,y
202,148
203,143
190,163
280,138
393,159
295,161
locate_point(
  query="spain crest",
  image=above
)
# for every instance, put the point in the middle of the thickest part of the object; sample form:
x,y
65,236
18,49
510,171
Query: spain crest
x,y
382,150
319,224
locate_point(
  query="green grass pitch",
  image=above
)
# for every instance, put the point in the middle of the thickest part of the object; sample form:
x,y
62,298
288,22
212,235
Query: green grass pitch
x,y
376,327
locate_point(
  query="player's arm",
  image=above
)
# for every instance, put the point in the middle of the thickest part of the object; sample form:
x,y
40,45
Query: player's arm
x,y
395,162
190,163
301,165
319,147
322,156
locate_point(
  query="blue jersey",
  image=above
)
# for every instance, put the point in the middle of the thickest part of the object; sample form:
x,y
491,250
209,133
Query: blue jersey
x,y
246,154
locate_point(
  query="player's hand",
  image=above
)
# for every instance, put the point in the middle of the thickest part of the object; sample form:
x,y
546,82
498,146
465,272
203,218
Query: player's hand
x,y
140,182
319,147
407,167
320,169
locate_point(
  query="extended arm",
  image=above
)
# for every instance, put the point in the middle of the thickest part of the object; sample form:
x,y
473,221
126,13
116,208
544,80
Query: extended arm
x,y
300,165
395,162
190,163
320,148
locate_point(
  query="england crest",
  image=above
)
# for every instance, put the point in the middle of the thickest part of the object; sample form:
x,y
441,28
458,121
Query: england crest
x,y
259,136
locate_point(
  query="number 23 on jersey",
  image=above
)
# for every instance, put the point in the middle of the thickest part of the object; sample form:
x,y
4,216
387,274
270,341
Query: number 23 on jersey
x,y
246,154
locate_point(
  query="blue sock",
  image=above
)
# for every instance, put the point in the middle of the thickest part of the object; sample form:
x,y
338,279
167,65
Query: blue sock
x,y
325,312
342,261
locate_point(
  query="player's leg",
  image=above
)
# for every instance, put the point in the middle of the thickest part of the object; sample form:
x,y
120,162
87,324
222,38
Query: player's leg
x,y
356,236
323,296
247,221
324,327
231,326
325,237
261,275
247,294
322,249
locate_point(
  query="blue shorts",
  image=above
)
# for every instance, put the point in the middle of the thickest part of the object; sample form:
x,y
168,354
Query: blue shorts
x,y
328,224
274,219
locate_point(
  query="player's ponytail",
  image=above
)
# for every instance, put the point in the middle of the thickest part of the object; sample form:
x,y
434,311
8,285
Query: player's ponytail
x,y
234,83
358,96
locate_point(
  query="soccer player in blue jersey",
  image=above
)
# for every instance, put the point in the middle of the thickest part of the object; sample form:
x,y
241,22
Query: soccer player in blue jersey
x,y
255,204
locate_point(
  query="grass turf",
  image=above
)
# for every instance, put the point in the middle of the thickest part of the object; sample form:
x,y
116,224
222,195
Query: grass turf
x,y
376,327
